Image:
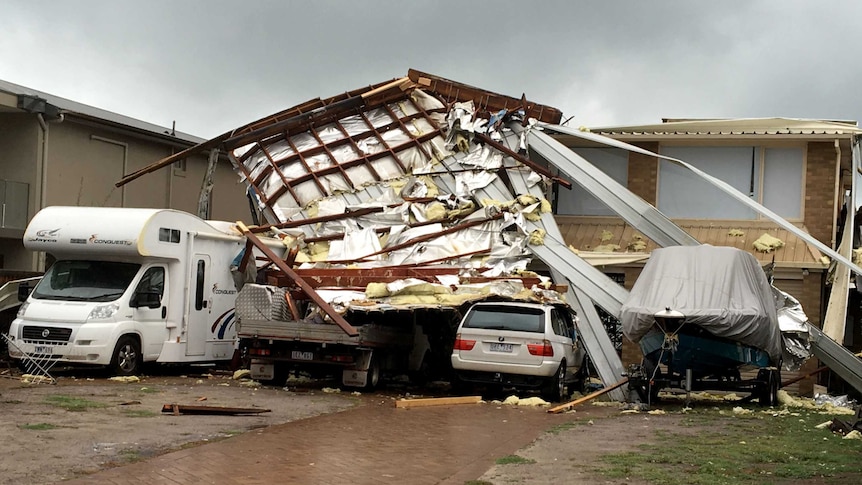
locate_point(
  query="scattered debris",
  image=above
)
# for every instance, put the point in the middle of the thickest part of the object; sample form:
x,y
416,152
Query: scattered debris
x,y
437,401
34,379
607,248
129,403
740,411
331,390
530,401
589,397
736,233
126,379
786,399
177,409
846,428
607,236
767,243
202,398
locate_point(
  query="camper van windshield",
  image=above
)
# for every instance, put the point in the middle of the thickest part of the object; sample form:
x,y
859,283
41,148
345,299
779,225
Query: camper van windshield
x,y
86,281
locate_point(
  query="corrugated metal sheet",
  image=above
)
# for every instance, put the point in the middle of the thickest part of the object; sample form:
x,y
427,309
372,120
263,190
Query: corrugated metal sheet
x,y
587,233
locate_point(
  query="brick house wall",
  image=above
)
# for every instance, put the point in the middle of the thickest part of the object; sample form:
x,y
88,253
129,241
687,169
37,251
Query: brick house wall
x,y
643,173
819,217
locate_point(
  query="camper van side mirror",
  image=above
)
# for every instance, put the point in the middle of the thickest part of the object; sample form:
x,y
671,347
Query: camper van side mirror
x,y
23,291
149,299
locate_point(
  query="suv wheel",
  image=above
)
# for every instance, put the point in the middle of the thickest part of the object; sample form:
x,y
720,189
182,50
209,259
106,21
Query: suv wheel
x,y
555,390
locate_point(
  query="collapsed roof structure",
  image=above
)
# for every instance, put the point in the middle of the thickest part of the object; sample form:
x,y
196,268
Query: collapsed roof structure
x,y
426,178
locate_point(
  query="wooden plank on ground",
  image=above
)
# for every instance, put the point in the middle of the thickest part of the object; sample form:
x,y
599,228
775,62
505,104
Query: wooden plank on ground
x,y
588,397
219,410
437,401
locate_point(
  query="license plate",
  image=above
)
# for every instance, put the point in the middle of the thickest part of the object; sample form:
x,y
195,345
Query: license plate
x,y
43,349
495,347
299,355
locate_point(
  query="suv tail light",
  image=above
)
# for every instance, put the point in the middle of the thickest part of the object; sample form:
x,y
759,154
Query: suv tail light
x,y
545,349
462,344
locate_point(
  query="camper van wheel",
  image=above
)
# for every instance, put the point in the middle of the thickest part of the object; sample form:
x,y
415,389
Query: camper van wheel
x,y
126,360
555,391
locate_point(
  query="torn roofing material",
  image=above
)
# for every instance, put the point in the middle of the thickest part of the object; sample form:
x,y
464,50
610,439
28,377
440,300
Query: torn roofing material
x,y
388,175
373,102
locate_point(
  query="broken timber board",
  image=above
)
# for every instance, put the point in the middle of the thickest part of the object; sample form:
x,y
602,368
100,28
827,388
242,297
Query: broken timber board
x,y
437,401
177,409
588,397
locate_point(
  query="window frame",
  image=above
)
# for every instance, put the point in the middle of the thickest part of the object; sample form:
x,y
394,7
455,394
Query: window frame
x,y
762,148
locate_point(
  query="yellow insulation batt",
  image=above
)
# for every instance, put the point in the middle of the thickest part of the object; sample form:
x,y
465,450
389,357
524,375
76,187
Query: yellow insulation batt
x,y
767,243
435,211
637,243
537,237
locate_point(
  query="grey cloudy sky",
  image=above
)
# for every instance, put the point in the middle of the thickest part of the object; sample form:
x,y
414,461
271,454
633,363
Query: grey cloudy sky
x,y
216,65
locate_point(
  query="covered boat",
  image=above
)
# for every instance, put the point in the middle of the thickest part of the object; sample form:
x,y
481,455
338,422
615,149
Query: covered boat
x,y
704,312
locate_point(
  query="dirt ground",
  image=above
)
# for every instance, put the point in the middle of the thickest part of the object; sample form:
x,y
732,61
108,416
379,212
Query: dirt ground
x,y
43,443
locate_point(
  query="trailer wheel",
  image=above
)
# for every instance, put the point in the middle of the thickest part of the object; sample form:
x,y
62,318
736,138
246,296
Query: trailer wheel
x,y
372,379
126,360
767,391
279,376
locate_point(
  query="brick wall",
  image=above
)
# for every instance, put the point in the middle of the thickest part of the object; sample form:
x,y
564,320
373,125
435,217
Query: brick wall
x,y
820,190
643,173
631,352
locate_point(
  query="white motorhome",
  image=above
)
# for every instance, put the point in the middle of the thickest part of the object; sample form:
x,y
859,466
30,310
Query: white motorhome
x,y
129,286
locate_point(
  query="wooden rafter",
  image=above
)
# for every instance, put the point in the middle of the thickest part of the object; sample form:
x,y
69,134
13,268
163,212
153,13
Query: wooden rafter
x,y
299,281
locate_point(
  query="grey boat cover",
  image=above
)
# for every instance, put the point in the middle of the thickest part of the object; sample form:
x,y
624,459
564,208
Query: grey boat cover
x,y
721,289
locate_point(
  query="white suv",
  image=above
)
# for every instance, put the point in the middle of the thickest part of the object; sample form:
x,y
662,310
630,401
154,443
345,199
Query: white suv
x,y
523,345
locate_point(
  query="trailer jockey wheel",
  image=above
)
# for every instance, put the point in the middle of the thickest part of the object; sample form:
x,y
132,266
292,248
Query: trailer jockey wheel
x,y
645,385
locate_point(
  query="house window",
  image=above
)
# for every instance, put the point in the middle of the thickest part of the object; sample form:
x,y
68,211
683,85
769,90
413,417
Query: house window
x,y
180,168
579,202
770,176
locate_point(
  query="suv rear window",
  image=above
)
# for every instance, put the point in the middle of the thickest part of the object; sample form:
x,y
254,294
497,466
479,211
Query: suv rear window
x,y
503,317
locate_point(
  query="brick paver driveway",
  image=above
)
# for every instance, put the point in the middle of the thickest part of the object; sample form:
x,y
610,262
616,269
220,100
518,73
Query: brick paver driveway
x,y
373,443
